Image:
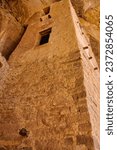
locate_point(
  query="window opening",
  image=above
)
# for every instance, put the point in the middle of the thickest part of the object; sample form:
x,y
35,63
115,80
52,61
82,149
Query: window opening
x,y
45,36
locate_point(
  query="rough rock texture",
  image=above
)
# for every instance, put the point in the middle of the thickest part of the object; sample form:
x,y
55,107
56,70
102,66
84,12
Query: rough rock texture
x,y
51,90
10,33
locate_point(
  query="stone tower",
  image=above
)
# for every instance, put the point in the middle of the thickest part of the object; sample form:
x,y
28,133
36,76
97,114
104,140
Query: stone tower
x,y
49,87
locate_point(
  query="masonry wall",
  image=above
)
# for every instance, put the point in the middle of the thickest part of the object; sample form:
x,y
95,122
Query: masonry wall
x,y
46,89
3,71
91,80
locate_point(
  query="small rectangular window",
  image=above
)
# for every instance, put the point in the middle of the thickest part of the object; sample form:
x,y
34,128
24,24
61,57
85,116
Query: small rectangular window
x,y
45,36
86,47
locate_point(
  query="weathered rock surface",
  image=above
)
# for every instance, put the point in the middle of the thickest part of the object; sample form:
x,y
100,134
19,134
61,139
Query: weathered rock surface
x,y
11,32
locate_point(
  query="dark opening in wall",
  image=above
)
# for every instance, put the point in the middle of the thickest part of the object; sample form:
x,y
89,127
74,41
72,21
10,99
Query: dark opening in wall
x,y
41,19
49,16
45,36
86,47
90,57
96,68
23,132
46,10
1,65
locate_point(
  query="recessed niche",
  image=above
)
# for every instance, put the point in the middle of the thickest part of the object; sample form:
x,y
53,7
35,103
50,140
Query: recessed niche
x,y
46,10
45,36
23,132
49,16
1,65
86,47
41,19
90,57
96,68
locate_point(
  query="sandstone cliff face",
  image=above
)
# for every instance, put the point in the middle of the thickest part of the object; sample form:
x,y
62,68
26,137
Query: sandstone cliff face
x,y
11,32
